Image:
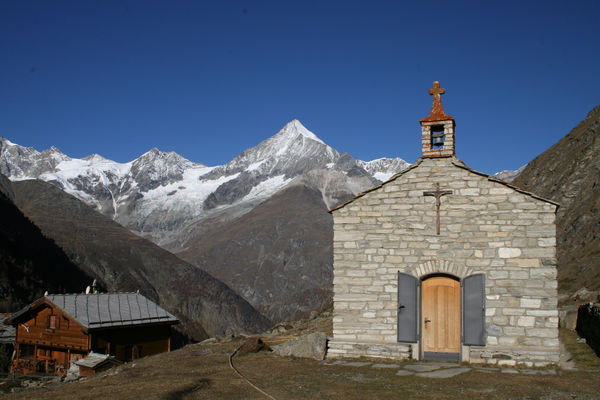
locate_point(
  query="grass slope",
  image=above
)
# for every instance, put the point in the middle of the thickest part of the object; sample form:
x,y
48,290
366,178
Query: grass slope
x,y
203,372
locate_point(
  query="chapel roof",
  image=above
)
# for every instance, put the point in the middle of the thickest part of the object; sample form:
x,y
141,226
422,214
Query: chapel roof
x,y
104,310
436,114
456,162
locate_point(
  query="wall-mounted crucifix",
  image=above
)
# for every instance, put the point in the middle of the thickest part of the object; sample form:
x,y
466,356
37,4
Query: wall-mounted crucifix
x,y
438,195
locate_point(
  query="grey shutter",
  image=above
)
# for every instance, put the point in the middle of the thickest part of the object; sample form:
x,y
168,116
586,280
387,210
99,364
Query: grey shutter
x,y
407,307
474,310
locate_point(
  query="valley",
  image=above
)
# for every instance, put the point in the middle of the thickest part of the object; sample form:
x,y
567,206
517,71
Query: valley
x,y
258,224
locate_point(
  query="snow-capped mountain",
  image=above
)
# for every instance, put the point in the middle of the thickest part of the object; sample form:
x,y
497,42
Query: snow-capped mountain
x,y
287,152
18,162
384,168
160,193
509,175
259,223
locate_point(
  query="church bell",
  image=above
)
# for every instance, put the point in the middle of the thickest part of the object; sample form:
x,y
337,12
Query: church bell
x,y
437,137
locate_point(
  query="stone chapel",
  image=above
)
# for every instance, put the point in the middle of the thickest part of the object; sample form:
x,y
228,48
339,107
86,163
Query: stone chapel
x,y
444,262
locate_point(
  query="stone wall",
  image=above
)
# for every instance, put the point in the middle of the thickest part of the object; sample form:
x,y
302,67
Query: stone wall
x,y
486,227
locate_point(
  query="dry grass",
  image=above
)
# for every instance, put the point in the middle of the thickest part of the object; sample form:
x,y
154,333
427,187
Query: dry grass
x,y
203,372
584,356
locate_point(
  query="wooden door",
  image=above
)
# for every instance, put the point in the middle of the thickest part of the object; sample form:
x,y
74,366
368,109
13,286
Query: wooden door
x,y
441,317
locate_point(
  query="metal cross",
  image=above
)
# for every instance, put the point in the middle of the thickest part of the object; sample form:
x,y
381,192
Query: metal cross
x,y
438,195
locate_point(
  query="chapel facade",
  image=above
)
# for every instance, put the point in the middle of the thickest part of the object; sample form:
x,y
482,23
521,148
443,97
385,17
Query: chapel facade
x,y
444,262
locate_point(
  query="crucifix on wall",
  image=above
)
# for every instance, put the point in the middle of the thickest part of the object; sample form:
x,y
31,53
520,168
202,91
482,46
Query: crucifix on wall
x,y
438,195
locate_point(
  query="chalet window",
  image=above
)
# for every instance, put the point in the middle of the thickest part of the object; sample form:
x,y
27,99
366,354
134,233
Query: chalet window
x,y
52,322
26,350
45,352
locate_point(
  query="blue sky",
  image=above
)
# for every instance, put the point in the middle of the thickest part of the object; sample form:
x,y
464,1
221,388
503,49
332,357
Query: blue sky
x,y
208,79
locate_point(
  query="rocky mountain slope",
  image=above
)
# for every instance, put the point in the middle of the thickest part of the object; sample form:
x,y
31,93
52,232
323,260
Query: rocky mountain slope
x,y
569,173
30,263
123,261
189,208
278,256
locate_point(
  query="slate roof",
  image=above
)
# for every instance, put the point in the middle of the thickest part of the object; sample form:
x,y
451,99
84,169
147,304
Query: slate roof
x,y
94,360
105,310
102,310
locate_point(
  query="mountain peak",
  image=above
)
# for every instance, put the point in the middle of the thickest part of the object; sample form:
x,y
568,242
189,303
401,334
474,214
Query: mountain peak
x,y
94,157
6,141
153,154
296,127
153,151
55,149
168,159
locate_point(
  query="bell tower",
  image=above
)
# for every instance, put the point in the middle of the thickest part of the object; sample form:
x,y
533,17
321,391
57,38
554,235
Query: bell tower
x,y
437,129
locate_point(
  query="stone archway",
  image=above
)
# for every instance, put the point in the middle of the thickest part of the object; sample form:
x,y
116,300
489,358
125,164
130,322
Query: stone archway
x,y
446,267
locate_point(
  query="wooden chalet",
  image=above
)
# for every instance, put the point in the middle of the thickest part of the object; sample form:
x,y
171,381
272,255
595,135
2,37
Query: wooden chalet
x,y
58,329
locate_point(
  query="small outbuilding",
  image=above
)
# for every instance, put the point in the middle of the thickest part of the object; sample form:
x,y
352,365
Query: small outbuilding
x,y
444,262
94,363
58,329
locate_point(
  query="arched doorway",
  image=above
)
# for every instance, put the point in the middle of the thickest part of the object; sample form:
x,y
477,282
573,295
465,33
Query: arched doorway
x,y
440,310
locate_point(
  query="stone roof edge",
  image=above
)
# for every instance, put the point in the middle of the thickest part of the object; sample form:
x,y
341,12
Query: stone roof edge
x,y
456,162
437,118
393,178
462,165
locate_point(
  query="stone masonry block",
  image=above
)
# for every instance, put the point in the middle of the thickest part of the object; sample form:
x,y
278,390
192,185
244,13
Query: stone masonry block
x,y
348,236
542,332
507,252
531,303
526,321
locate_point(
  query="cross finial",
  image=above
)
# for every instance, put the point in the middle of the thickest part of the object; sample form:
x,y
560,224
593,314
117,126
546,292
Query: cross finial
x,y
437,93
